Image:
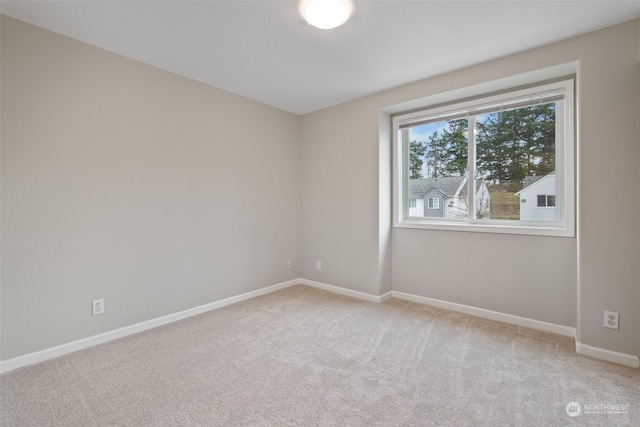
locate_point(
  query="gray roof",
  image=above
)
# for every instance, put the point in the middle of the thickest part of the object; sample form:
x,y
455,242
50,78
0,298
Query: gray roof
x,y
530,179
448,185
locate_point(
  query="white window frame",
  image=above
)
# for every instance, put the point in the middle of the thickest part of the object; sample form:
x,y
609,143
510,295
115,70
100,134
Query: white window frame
x,y
413,202
436,204
563,226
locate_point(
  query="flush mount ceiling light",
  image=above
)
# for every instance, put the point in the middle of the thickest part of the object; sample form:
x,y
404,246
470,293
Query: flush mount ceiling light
x,y
326,14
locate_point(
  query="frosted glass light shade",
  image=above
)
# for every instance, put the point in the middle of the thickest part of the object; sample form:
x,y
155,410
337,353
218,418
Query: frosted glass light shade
x,y
326,14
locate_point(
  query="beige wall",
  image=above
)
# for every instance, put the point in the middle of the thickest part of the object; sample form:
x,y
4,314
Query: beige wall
x,y
609,239
126,182
340,199
159,194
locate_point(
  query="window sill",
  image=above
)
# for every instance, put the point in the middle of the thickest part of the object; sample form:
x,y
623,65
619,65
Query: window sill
x,y
531,230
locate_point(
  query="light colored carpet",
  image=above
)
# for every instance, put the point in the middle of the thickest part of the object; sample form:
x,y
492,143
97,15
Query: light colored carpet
x,y
302,356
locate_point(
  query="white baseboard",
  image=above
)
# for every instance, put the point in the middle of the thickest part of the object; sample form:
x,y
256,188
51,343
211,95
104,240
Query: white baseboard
x,y
386,297
488,314
50,353
61,350
346,292
608,355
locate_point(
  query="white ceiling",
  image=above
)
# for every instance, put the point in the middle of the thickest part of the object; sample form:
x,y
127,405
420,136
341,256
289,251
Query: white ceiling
x,y
265,51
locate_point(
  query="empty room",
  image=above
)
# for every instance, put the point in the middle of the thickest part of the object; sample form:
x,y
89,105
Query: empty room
x,y
319,212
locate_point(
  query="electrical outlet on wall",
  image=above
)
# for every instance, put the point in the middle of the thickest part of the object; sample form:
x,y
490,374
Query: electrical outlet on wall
x,y
318,265
97,306
611,319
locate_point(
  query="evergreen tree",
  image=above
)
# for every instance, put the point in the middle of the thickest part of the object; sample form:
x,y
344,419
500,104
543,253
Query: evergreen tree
x,y
455,140
491,153
436,155
510,145
542,149
417,152
514,143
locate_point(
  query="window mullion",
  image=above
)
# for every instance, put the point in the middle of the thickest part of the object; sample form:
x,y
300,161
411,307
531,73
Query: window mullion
x,y
471,167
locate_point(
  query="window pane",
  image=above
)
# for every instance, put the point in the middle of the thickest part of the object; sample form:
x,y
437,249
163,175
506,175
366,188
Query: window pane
x,y
515,163
438,158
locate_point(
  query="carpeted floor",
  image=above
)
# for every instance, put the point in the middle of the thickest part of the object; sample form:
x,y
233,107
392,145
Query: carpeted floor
x,y
302,356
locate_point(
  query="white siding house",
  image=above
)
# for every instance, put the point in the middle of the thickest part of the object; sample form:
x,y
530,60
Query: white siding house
x,y
446,197
416,206
538,198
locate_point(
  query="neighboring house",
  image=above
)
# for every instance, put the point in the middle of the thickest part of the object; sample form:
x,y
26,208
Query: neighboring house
x,y
446,197
538,198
